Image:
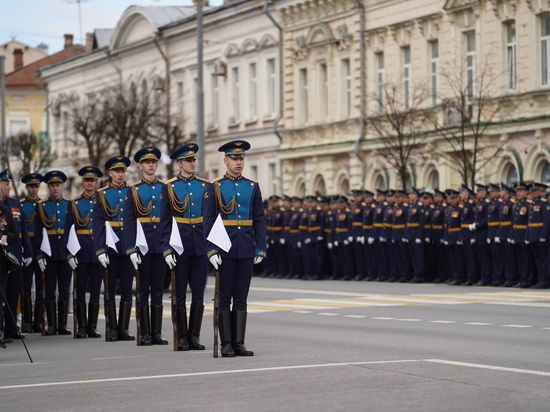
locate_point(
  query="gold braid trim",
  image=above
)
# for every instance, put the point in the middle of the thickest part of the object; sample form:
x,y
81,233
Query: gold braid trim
x,y
138,206
48,223
30,220
230,207
105,206
78,218
177,205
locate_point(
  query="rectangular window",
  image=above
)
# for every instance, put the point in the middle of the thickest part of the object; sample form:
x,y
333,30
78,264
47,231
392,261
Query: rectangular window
x,y
406,53
303,96
252,91
215,100
323,92
511,55
434,70
380,78
470,39
235,94
545,49
271,87
273,177
346,88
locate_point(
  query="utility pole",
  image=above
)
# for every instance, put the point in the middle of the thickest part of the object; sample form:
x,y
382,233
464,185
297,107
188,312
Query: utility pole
x,y
3,107
200,91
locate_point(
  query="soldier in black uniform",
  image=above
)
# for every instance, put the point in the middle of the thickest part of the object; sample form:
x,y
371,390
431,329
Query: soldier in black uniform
x,y
437,237
493,223
480,229
296,262
358,240
368,236
507,249
520,222
399,236
467,240
538,233
416,235
452,238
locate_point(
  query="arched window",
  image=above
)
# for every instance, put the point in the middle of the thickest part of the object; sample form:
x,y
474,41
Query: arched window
x,y
380,183
320,187
510,174
301,189
433,180
544,175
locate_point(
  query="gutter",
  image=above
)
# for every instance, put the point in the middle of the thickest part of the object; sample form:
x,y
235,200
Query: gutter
x,y
167,81
362,105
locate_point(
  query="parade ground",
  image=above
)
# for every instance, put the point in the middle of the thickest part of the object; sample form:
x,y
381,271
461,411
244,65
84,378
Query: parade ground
x,y
319,346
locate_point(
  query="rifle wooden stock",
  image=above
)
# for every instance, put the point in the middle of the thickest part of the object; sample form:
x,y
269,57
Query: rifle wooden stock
x,y
43,292
106,304
174,309
74,304
138,310
216,312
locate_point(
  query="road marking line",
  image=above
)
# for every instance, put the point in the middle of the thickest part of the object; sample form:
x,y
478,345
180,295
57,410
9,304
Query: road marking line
x,y
477,323
489,367
118,357
382,318
192,374
516,326
410,320
527,304
442,321
356,316
328,314
23,364
302,311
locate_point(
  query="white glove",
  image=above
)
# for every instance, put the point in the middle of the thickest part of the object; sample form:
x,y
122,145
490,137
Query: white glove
x,y
346,242
216,261
442,241
42,263
489,241
272,241
136,260
382,239
170,261
307,241
472,241
446,243
497,239
370,240
362,240
299,244
512,241
258,259
319,238
542,240
404,240
418,241
526,242
350,239
335,243
460,243
73,263
27,261
282,241
427,240
472,226
103,259
330,246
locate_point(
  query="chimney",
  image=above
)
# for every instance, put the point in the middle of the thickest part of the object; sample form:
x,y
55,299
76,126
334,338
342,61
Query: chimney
x,y
89,41
17,59
68,40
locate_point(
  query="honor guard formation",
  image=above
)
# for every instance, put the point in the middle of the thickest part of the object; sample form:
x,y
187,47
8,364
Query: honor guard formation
x,y
493,235
120,233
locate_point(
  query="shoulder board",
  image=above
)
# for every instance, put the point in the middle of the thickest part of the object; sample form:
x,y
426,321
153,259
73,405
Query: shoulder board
x,y
513,200
200,179
137,183
102,189
385,203
529,201
22,200
318,208
543,199
246,179
171,180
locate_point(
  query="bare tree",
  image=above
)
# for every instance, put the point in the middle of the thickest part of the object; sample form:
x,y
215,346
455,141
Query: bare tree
x,y
471,110
398,123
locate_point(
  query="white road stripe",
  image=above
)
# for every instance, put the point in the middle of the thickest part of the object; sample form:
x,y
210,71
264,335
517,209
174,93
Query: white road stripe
x,y
489,367
185,375
410,320
477,323
442,321
516,326
527,304
276,305
355,316
382,318
118,357
328,314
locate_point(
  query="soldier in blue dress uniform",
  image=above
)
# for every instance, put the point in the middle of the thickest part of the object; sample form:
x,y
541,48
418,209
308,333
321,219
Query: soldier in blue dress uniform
x,y
518,236
507,249
467,216
415,235
480,229
314,241
493,223
399,239
378,240
368,236
109,207
143,205
86,265
51,216
239,202
296,262
538,233
437,236
452,238
22,250
183,200
357,232
32,322
341,229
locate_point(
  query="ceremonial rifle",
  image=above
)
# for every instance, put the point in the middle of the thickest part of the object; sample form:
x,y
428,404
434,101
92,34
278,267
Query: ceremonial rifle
x,y
43,292
106,305
138,310
216,312
74,304
174,309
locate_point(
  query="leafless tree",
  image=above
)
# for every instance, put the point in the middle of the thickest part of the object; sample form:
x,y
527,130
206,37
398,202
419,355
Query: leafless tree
x,y
397,123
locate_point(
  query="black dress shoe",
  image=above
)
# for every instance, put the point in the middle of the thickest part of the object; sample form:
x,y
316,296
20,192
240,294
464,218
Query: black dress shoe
x,y
158,339
7,340
146,340
2,343
183,344
227,351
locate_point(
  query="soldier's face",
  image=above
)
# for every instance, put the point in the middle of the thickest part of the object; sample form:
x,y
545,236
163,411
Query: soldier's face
x,y
32,190
521,194
90,185
6,187
187,166
149,167
438,198
234,166
56,189
117,176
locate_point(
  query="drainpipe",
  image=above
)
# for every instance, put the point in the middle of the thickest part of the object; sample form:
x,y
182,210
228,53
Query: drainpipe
x,y
166,85
281,84
362,105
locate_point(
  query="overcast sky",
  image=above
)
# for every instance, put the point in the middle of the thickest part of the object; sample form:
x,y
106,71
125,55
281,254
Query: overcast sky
x,y
46,21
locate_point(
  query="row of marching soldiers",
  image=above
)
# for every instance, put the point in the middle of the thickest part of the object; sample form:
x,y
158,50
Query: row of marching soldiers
x,y
118,231
494,235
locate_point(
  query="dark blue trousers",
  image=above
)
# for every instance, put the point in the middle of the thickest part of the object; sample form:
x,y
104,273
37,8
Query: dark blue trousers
x,y
190,270
120,267
235,277
58,276
88,274
151,278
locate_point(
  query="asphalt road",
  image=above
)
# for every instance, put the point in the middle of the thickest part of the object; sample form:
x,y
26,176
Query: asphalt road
x,y
330,346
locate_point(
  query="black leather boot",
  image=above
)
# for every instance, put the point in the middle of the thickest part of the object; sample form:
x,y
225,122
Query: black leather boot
x,y
195,322
239,330
124,321
145,323
62,314
181,322
27,316
111,334
93,314
156,325
224,325
81,320
37,325
52,319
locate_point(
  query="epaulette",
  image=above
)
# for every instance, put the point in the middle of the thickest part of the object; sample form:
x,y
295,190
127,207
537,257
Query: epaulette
x,y
444,204
218,178
432,206
171,180
513,200
318,208
138,182
544,199
529,201
385,203
202,179
102,189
